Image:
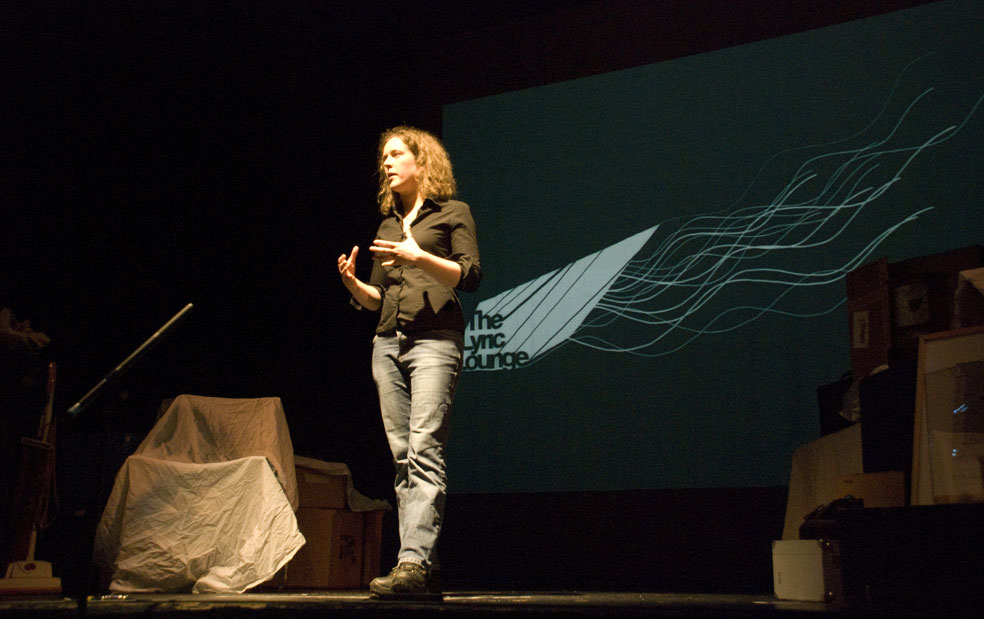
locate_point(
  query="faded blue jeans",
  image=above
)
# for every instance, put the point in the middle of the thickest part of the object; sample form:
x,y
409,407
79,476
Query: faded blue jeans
x,y
416,376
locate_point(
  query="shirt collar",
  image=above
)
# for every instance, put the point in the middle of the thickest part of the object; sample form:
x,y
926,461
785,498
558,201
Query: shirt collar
x,y
429,205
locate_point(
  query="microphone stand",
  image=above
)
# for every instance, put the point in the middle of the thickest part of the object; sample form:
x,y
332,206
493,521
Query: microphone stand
x,y
80,524
116,372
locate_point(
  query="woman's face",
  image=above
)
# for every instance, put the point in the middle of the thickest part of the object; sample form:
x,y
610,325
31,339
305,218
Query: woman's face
x,y
400,166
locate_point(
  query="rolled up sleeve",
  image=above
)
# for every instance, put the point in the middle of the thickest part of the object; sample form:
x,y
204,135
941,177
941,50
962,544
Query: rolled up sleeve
x,y
464,248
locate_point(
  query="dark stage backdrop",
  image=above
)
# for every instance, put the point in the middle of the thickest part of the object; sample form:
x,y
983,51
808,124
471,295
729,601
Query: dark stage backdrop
x,y
665,247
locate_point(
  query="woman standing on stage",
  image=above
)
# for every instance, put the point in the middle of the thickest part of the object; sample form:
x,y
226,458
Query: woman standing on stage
x,y
425,250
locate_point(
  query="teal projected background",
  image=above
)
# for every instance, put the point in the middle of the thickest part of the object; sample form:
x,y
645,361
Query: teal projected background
x,y
665,247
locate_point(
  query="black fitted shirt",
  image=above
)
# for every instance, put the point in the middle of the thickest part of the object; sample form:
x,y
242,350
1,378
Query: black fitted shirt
x,y
413,301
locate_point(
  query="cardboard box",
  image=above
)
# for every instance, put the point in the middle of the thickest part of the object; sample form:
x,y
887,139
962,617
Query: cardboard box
x,y
372,543
807,570
891,304
948,444
342,550
882,489
332,556
317,488
968,301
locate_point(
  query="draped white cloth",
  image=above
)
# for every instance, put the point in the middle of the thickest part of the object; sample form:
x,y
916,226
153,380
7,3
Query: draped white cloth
x,y
206,503
203,429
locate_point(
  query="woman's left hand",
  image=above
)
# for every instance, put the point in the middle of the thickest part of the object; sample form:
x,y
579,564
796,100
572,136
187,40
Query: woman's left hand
x,y
391,253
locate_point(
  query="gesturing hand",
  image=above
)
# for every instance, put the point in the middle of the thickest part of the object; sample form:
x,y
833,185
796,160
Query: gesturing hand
x,y
346,264
392,253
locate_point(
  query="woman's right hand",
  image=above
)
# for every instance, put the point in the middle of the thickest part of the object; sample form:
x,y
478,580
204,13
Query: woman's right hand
x,y
346,265
367,296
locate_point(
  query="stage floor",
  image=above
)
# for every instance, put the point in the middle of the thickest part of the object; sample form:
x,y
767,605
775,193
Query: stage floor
x,y
352,604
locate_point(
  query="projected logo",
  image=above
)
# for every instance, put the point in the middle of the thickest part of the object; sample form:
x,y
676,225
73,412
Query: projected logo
x,y
512,329
711,274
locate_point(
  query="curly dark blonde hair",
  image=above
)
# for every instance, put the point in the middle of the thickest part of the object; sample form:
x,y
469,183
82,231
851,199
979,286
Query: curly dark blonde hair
x,y
437,179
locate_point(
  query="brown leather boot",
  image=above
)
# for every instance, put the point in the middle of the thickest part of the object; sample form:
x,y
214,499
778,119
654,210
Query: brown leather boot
x,y
405,581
